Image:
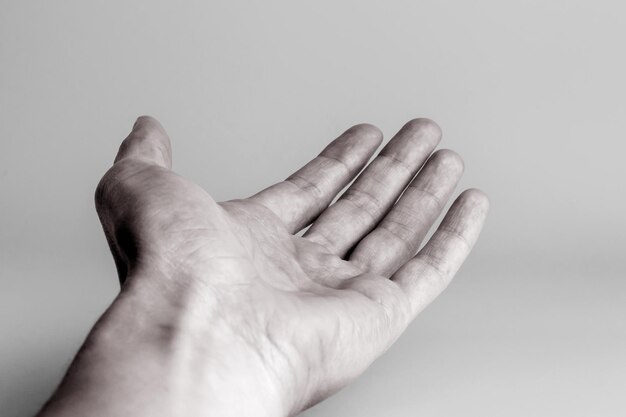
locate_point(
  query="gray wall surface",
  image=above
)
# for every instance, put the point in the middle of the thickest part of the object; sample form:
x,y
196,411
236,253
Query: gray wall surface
x,y
531,93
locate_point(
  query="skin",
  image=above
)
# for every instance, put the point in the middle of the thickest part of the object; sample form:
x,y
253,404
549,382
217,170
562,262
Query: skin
x,y
225,309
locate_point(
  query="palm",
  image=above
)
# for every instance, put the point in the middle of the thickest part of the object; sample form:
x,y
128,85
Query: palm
x,y
320,307
316,304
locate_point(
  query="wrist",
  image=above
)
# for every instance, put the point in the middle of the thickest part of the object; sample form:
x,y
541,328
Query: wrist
x,y
176,353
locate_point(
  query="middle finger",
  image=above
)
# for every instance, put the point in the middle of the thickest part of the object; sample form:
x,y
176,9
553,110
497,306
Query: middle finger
x,y
367,200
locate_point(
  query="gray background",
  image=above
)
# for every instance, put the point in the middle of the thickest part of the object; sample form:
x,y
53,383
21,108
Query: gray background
x,y
531,93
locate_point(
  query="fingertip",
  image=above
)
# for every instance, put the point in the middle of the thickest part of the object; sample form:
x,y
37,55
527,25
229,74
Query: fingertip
x,y
355,146
476,198
147,141
449,159
367,132
146,120
426,128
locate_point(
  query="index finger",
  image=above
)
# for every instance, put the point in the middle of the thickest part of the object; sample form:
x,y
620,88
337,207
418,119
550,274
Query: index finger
x,y
306,193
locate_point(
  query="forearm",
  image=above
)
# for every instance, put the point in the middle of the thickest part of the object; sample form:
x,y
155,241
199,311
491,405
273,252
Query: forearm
x,y
147,357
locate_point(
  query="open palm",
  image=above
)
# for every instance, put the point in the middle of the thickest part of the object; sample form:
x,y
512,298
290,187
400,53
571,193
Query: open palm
x,y
299,315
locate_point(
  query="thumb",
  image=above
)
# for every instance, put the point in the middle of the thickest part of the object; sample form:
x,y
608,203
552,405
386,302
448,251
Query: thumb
x,y
116,196
147,142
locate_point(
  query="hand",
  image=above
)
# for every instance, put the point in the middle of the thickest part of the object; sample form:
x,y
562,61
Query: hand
x,y
251,317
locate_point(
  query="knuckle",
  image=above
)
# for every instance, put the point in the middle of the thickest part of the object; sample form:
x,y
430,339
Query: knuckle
x,y
365,202
386,294
116,182
103,193
439,266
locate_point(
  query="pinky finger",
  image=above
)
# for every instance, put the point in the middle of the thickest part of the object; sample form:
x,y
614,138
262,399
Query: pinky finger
x,y
425,276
